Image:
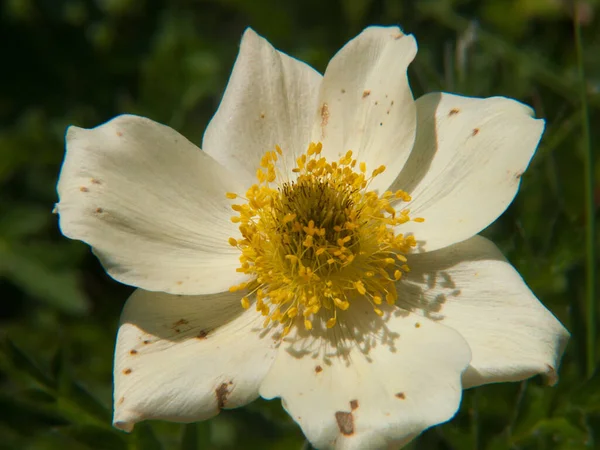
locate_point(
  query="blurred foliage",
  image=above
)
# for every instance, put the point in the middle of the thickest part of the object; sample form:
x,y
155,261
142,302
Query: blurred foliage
x,y
85,61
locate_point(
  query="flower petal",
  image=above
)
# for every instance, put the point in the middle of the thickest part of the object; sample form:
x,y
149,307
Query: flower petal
x,y
370,381
151,204
466,166
270,100
365,102
471,287
184,358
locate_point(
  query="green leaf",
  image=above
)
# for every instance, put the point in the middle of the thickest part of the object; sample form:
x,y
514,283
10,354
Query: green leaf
x,y
196,436
145,438
88,403
25,416
60,289
189,440
499,442
95,437
587,396
37,396
18,221
59,371
20,361
558,428
78,398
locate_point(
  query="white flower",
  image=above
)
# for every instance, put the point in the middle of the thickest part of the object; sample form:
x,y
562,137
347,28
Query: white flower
x,y
367,312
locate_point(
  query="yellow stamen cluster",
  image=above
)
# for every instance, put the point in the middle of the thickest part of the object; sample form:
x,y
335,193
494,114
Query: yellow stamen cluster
x,y
314,245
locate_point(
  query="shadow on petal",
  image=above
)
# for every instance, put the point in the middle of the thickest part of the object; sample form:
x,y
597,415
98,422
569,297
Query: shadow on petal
x,y
185,358
471,288
426,140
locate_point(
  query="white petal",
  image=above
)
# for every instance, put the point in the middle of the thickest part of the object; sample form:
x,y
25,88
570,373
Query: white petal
x,y
365,102
184,358
151,204
370,381
466,166
471,288
270,100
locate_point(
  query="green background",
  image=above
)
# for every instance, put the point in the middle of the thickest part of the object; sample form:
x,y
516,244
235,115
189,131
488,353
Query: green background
x,y
84,61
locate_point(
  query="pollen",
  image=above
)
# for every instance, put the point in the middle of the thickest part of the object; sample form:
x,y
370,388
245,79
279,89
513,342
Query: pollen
x,y
313,246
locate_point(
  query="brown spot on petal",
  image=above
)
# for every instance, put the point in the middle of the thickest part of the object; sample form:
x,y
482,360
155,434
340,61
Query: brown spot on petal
x,y
401,395
353,404
180,322
518,175
133,351
345,422
119,133
95,181
366,93
343,91
417,325
99,210
324,114
398,36
146,342
127,371
84,189
318,369
262,115
222,392
475,132
454,111
324,118
202,334
180,282
121,400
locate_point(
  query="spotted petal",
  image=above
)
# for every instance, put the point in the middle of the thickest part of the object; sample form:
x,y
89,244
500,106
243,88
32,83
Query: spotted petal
x,y
471,287
270,100
466,165
184,358
151,204
365,102
369,382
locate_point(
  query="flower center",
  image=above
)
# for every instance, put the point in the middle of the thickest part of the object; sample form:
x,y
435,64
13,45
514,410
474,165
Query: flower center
x,y
315,245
